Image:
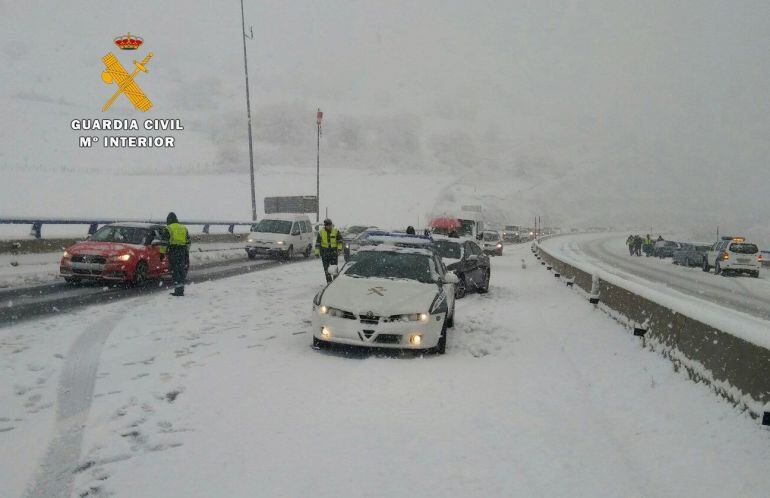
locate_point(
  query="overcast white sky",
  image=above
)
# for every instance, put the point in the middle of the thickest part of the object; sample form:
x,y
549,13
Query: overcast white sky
x,y
665,101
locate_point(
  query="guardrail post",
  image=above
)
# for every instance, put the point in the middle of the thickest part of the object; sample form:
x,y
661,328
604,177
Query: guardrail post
x,y
92,228
36,230
205,229
231,229
593,297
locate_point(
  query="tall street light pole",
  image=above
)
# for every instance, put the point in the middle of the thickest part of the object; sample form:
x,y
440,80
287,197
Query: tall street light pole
x,y
318,117
248,114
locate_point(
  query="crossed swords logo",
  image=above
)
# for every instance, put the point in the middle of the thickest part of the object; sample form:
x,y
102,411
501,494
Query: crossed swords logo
x,y
116,73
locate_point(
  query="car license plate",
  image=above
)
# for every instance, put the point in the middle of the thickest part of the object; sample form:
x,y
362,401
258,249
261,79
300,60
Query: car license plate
x,y
744,260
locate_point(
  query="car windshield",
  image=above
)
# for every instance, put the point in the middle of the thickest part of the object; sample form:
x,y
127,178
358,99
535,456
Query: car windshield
x,y
742,248
448,249
356,229
387,264
272,226
126,235
491,237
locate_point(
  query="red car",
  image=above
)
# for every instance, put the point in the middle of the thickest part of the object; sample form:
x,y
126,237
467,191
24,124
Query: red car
x,y
124,252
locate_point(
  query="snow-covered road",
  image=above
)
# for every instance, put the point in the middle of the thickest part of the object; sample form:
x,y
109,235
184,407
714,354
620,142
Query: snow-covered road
x,y
608,252
220,394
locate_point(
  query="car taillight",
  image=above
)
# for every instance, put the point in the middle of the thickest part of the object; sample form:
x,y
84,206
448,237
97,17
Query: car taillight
x,y
725,256
759,258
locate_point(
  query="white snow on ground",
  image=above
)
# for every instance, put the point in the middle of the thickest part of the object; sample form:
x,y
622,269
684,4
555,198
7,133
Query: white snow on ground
x,y
220,394
31,269
688,298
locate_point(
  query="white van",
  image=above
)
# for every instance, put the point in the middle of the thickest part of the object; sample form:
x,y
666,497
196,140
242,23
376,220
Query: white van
x,y
281,235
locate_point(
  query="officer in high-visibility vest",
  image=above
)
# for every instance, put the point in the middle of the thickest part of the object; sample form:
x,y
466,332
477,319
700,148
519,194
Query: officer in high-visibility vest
x,y
178,240
328,245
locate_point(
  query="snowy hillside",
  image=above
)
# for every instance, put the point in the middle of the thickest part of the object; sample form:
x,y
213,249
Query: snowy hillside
x,y
614,113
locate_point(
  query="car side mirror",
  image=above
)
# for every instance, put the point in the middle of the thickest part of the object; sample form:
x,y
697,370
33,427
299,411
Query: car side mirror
x,y
156,242
295,232
473,257
450,278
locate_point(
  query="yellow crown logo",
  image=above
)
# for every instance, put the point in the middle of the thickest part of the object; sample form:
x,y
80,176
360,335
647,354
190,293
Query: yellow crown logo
x,y
128,41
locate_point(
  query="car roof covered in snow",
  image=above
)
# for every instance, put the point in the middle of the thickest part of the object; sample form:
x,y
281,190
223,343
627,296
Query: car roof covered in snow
x,y
399,249
131,224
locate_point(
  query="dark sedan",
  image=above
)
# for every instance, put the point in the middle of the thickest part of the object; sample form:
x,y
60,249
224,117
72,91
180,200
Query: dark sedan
x,y
690,254
665,248
469,263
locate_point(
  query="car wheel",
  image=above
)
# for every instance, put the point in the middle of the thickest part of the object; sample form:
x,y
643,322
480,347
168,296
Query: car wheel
x,y
73,280
441,345
717,269
140,273
251,255
485,288
461,288
706,266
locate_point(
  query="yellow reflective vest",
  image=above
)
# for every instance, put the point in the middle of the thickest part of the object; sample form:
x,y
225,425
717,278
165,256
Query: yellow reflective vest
x,y
328,240
177,236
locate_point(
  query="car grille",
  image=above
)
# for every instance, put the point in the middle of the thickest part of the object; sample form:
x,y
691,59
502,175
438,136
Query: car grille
x,y
86,258
368,333
369,319
388,339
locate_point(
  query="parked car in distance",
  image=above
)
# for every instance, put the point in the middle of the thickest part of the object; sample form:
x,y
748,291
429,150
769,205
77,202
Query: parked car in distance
x,y
665,248
118,252
281,235
388,297
733,255
491,242
466,259
354,233
690,254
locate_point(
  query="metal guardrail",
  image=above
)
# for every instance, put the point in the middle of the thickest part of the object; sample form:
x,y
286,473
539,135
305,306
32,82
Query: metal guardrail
x,y
734,368
93,224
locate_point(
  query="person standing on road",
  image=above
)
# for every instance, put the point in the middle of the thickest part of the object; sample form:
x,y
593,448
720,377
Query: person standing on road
x,y
648,245
630,244
328,244
638,245
178,252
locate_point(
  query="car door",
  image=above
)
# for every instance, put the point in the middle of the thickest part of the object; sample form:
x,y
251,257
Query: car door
x,y
474,263
153,253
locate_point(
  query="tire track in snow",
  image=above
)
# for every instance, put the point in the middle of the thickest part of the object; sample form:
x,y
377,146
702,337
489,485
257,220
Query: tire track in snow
x,y
56,473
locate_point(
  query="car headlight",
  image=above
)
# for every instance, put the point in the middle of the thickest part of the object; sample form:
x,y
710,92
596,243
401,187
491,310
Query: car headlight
x,y
280,242
317,298
439,304
337,313
250,240
66,255
122,257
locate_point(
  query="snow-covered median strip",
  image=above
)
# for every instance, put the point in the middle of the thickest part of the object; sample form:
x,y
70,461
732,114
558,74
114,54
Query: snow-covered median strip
x,y
25,270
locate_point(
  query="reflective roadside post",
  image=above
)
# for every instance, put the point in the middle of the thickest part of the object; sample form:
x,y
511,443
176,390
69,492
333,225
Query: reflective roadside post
x,y
318,117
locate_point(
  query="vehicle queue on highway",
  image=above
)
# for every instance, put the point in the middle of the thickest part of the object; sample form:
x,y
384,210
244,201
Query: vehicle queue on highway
x,y
730,255
393,289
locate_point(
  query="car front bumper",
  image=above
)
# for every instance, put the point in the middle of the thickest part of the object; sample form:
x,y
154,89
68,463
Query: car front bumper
x,y
392,335
96,271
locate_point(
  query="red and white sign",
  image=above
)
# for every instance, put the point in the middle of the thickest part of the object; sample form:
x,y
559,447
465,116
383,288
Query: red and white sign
x,y
318,117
